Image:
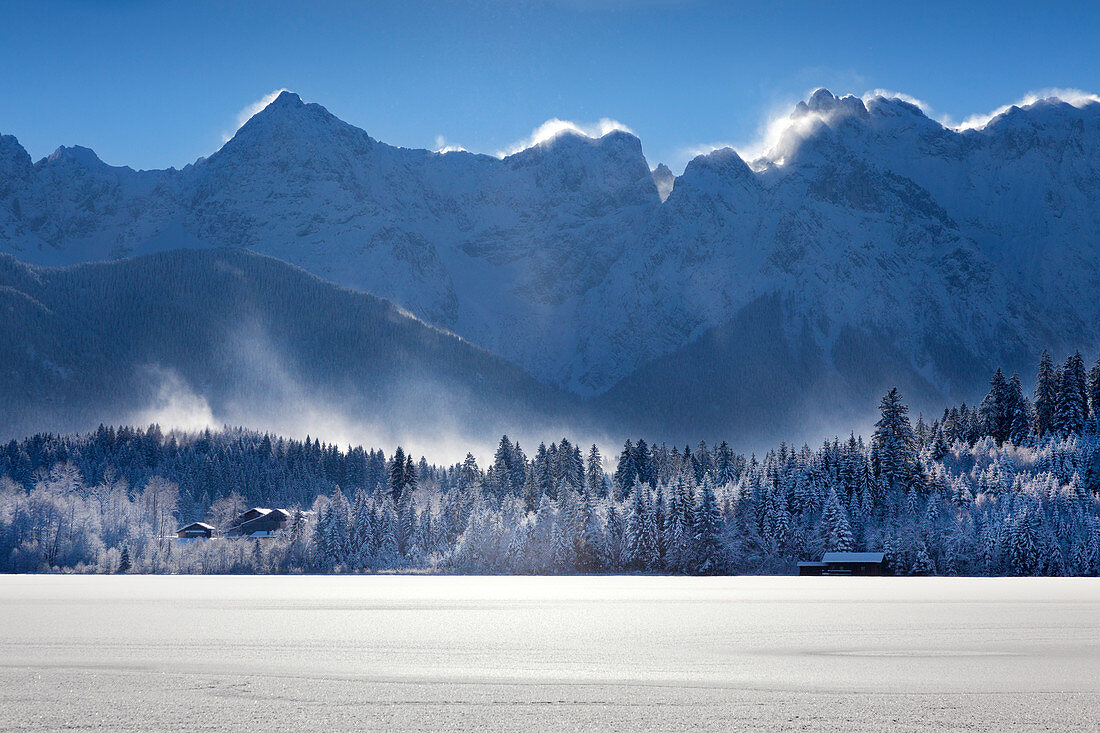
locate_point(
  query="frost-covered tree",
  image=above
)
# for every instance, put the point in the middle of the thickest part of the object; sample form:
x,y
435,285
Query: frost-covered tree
x,y
1071,400
707,526
893,449
1046,396
836,528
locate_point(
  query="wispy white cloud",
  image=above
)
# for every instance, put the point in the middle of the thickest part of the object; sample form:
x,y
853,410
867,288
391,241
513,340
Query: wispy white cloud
x,y
781,131
776,135
176,406
890,94
680,157
1076,97
553,127
246,114
442,146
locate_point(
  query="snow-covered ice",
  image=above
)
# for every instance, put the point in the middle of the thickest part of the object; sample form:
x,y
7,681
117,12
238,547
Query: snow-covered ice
x,y
549,653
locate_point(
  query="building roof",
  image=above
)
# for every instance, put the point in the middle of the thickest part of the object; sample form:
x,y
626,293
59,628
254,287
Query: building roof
x,y
196,525
812,565
830,557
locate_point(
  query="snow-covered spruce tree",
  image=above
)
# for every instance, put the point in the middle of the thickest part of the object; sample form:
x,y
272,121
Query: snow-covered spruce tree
x,y
707,527
361,534
837,532
1071,400
996,409
643,552
893,450
1020,409
593,475
1046,396
501,483
922,562
125,563
397,474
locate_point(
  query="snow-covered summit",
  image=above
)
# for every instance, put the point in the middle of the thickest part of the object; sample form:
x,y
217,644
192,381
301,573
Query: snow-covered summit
x,y
76,154
867,228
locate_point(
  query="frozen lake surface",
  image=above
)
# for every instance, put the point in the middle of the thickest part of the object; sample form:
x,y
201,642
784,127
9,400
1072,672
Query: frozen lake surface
x,y
614,653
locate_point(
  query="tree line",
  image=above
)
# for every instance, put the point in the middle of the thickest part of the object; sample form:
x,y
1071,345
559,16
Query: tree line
x,y
1009,487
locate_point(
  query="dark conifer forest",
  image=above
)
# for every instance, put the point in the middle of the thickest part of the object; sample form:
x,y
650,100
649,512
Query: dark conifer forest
x,y
1010,486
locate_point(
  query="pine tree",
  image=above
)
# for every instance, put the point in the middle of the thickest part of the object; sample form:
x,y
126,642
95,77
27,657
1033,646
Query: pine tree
x,y
530,489
410,474
922,563
836,528
362,530
544,474
616,539
707,527
939,446
594,542
389,554
594,483
469,474
570,468
1071,401
893,453
1020,423
502,470
1046,396
626,474
724,464
406,522
1094,393
125,564
397,474
641,533
996,410
643,460
1024,548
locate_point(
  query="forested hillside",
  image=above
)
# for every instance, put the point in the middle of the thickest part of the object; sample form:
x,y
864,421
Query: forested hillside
x,y
1011,486
207,337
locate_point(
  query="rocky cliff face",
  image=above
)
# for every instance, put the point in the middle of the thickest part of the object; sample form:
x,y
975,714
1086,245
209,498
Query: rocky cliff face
x,y
875,236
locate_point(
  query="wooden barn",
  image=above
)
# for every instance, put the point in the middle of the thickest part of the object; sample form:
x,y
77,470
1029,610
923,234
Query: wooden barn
x,y
195,531
846,563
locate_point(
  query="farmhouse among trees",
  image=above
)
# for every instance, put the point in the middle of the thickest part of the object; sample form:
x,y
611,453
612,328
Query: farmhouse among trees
x,y
998,489
258,522
196,530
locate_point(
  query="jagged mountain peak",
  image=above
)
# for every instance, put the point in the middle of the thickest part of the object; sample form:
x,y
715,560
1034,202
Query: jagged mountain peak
x,y
563,259
288,121
569,141
664,180
714,172
1039,114
822,101
287,98
15,162
76,154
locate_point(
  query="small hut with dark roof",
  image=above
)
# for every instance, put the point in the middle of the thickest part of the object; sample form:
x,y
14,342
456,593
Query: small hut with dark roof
x,y
846,563
195,531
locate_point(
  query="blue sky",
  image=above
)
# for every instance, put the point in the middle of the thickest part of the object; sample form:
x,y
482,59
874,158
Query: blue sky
x,y
153,84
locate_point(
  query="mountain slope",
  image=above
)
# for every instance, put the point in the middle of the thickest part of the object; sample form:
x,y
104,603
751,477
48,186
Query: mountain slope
x,y
212,336
877,245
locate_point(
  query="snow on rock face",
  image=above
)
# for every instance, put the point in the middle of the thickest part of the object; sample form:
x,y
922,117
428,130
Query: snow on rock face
x,y
663,179
576,261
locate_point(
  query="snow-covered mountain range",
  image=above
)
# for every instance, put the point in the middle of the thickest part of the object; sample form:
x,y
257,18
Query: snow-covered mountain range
x,y
870,246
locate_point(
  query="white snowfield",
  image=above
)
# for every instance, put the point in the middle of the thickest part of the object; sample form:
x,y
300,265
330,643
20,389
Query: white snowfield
x,y
430,653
